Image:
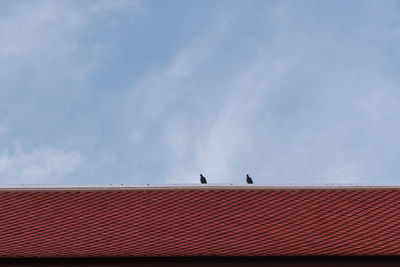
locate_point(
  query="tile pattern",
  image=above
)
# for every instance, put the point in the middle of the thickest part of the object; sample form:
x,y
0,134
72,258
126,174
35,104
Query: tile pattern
x,y
177,222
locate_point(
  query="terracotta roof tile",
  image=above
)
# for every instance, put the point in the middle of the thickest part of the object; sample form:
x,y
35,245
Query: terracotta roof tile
x,y
184,222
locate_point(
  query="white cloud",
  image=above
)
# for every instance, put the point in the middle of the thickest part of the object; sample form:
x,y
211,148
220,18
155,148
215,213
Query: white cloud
x,y
158,92
108,6
339,112
4,128
36,34
46,165
48,52
47,39
290,92
226,141
162,86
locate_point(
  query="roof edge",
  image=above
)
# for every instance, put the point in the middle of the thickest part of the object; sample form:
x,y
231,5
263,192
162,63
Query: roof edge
x,y
122,187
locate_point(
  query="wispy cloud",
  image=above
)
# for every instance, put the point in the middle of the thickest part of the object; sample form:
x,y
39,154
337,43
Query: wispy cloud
x,y
291,116
289,91
223,145
47,38
46,59
46,165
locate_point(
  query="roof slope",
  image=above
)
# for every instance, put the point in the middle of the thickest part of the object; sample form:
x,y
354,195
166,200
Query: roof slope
x,y
199,222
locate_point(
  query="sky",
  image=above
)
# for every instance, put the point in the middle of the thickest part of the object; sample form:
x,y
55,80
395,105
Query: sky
x,y
157,92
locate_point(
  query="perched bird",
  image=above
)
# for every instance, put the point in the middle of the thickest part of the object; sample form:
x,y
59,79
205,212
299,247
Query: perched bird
x,y
202,179
249,180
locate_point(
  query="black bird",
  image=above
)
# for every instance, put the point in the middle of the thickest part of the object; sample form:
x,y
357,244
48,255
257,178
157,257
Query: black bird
x,y
249,180
202,179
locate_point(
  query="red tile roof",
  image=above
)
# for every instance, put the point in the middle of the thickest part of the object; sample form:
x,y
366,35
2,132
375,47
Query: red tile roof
x,y
199,222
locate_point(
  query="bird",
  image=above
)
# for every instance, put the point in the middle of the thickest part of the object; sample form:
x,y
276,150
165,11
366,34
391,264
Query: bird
x,y
202,179
248,179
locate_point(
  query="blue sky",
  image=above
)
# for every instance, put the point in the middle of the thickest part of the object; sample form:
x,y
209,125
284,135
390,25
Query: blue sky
x,y
137,92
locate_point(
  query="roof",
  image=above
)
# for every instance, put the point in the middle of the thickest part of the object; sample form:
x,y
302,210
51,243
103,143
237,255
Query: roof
x,y
199,221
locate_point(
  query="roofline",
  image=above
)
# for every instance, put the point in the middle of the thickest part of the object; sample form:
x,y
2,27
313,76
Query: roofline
x,y
122,187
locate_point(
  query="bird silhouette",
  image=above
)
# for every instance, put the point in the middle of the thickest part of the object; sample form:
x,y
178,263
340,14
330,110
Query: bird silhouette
x,y
248,179
202,179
